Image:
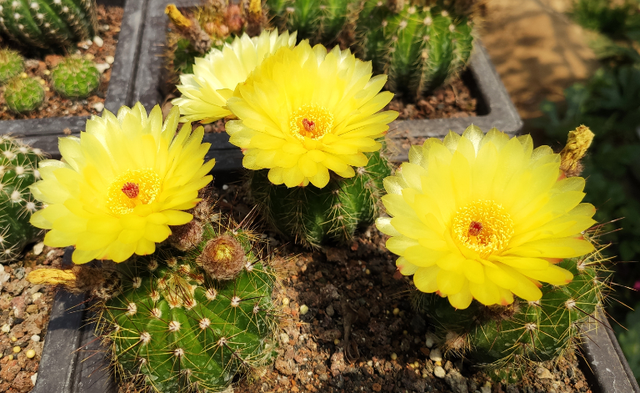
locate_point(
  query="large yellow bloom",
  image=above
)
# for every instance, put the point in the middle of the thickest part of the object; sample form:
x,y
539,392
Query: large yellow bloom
x,y
121,184
484,217
304,112
215,77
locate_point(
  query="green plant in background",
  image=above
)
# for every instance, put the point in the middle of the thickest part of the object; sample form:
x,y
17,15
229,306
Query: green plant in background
x,y
75,77
192,320
18,170
23,95
46,23
11,64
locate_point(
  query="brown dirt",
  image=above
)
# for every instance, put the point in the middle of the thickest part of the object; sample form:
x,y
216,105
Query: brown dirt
x,y
57,106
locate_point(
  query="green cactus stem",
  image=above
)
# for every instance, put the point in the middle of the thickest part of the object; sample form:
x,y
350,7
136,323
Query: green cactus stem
x,y
18,170
11,64
420,48
190,321
313,216
75,77
505,340
23,95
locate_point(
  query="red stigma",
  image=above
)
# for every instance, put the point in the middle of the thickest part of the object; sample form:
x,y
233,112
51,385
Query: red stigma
x,y
475,228
309,126
130,189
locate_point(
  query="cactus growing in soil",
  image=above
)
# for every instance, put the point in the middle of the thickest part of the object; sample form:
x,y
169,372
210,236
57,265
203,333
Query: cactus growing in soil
x,y
75,77
311,215
23,95
46,23
18,170
418,47
11,64
190,321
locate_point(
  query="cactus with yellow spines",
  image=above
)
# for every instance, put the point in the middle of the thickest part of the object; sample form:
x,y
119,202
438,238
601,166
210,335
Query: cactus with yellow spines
x,y
23,95
11,64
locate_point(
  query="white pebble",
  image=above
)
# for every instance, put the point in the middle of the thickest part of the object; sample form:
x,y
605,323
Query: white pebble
x,y
304,309
102,67
429,340
225,187
34,378
109,59
37,249
98,41
284,337
99,106
439,372
6,328
35,338
435,355
36,296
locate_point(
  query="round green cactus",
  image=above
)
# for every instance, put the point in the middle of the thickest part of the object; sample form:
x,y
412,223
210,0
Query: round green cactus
x,y
191,321
11,64
18,170
312,216
23,95
75,77
504,340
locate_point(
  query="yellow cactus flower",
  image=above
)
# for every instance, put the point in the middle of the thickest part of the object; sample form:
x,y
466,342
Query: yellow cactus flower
x,y
215,77
304,112
121,184
485,217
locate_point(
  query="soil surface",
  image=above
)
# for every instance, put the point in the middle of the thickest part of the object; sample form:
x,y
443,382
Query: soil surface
x,y
109,20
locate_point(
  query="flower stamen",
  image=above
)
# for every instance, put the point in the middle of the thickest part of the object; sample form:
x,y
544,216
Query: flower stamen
x,y
311,121
131,190
483,226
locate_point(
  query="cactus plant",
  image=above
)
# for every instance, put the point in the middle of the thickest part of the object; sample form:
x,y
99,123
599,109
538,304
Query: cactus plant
x,y
46,23
504,340
75,77
418,47
313,216
18,170
23,95
11,64
189,321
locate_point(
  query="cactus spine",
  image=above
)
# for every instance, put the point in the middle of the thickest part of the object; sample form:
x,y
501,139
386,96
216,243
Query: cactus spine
x,y
504,340
418,47
23,95
75,77
191,321
18,170
11,64
45,23
312,216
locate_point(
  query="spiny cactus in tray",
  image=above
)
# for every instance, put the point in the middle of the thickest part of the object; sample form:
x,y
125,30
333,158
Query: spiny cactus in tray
x,y
18,170
75,77
11,64
46,23
498,243
23,95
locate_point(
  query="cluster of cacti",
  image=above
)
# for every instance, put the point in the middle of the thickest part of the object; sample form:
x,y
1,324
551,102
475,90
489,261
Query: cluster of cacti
x,y
313,216
46,23
418,47
75,77
18,170
11,64
190,321
23,94
504,340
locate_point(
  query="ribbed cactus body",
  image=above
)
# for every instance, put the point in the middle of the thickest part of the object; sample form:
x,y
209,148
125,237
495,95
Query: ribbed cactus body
x,y
418,47
75,77
23,95
18,170
175,328
11,64
321,21
45,23
504,340
313,216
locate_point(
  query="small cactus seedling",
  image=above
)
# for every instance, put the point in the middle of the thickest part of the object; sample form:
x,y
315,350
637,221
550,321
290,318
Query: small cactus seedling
x,y
46,23
312,216
504,340
190,321
418,47
75,77
23,95
11,65
18,170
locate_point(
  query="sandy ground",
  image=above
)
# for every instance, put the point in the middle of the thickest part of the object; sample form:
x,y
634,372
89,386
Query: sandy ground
x,y
537,50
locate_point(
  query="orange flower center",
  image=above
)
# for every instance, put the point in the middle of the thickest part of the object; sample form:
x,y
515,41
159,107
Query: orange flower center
x,y
483,226
132,188
311,121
